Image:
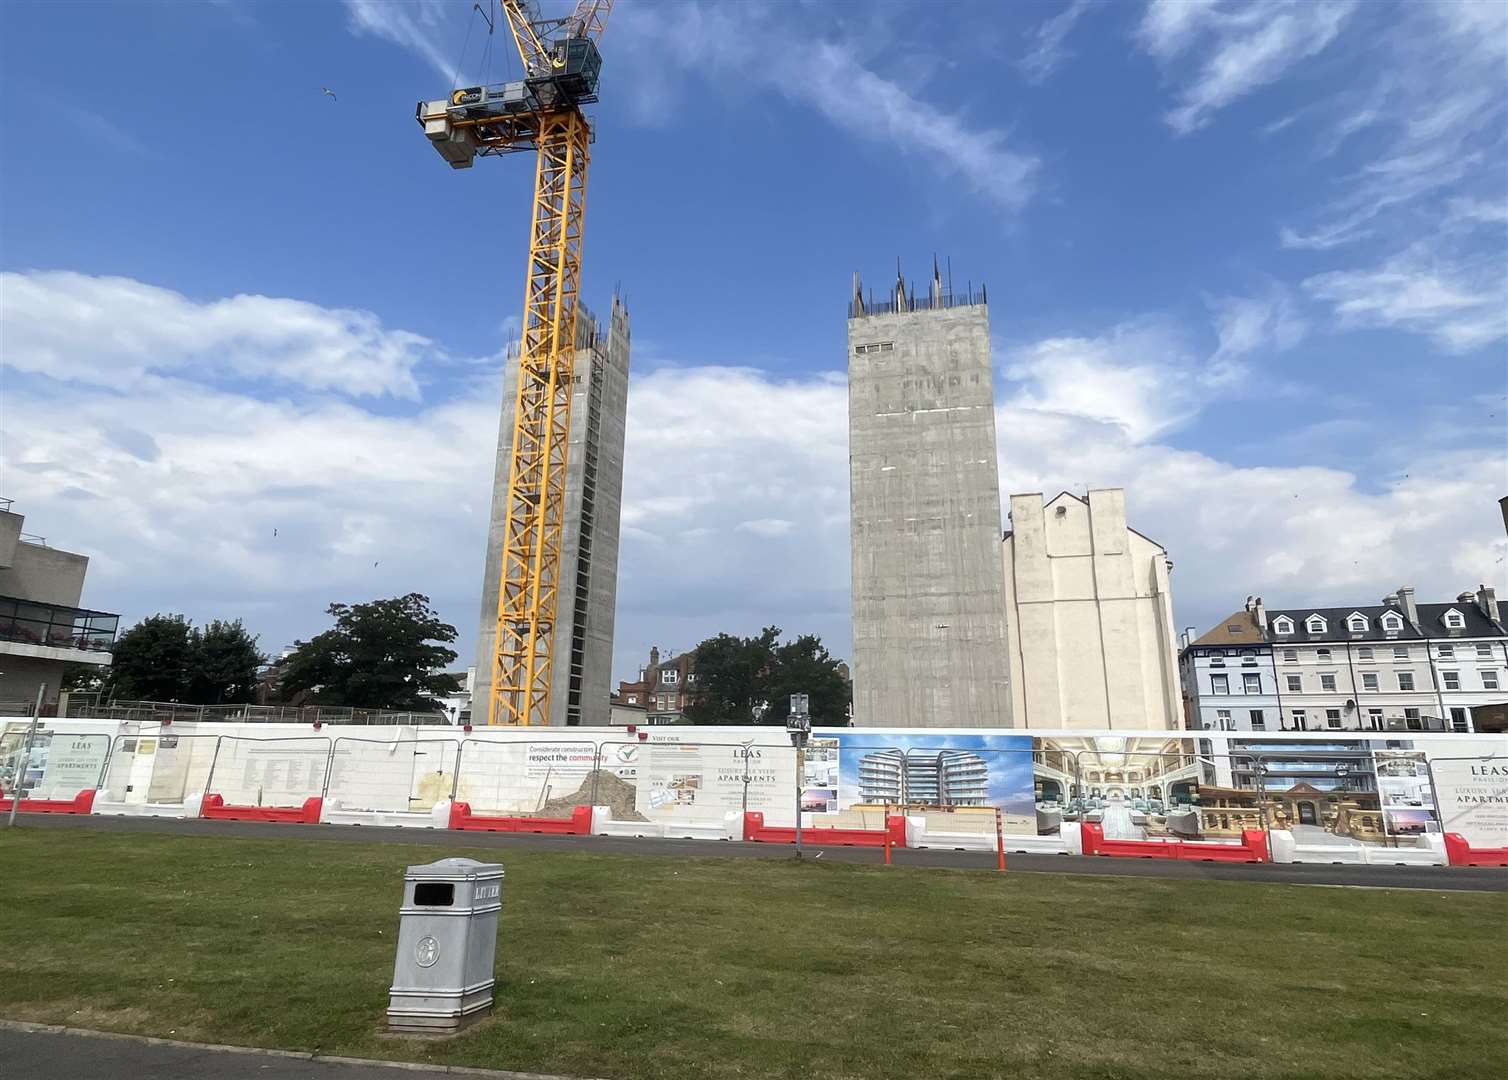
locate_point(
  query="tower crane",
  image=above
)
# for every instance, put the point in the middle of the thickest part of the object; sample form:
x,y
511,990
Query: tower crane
x,y
541,112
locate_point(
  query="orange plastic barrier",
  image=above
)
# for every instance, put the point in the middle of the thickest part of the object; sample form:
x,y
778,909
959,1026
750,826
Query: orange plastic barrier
x,y
1251,849
215,809
82,803
756,830
578,824
1458,852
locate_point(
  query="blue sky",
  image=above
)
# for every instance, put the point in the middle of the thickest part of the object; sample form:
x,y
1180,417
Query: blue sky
x,y
1246,260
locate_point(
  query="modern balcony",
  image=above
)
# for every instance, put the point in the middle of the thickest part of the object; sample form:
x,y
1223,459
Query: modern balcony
x,y
54,632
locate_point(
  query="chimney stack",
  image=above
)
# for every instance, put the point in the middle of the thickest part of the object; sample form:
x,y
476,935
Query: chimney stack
x,y
1406,601
1259,609
654,656
1487,601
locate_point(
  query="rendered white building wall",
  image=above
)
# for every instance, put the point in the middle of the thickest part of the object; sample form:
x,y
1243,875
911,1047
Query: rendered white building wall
x,y
1090,615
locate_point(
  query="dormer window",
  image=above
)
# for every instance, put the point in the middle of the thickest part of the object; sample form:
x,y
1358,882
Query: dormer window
x,y
669,676
1315,624
1392,623
1357,623
1282,625
1454,620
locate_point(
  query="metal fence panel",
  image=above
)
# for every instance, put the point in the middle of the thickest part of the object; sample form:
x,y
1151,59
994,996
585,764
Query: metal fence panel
x,y
391,774
59,765
696,783
533,777
249,771
158,767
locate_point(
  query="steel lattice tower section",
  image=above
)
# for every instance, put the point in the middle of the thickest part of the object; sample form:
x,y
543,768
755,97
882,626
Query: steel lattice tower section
x,y
528,596
541,112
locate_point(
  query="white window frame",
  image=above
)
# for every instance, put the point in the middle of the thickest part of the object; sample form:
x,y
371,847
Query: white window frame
x,y
1327,682
1315,624
1392,622
1282,625
1370,682
1246,681
1484,650
1290,656
1300,720
1332,719
669,677
1400,652
1324,655
1365,653
1409,675
1222,720
1416,720
1447,651
1489,678
1375,720
1256,719
1357,623
1292,689
1216,688
1448,677
1454,620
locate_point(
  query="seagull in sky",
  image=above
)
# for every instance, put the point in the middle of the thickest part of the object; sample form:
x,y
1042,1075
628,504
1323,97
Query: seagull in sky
x,y
330,92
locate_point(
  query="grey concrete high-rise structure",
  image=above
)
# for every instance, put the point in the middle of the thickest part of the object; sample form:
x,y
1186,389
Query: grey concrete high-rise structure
x,y
581,681
929,642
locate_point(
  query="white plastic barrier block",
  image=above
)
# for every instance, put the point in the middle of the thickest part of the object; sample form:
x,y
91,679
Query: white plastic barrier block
x,y
731,827
125,809
336,812
1072,837
919,836
604,825
1427,850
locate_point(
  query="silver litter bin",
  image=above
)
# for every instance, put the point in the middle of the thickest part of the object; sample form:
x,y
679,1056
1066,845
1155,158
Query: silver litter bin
x,y
447,941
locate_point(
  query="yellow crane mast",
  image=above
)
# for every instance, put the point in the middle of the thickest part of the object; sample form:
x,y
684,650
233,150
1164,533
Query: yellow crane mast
x,y
541,112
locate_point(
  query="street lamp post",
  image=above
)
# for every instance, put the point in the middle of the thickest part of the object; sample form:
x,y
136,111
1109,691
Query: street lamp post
x,y
799,726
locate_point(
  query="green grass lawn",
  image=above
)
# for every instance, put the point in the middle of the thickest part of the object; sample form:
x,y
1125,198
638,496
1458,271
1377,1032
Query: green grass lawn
x,y
629,967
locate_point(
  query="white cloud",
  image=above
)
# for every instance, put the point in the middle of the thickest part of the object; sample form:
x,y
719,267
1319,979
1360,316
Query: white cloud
x,y
1436,112
751,46
1143,376
136,330
419,26
1247,324
735,495
1461,307
1249,46
1140,378
1049,50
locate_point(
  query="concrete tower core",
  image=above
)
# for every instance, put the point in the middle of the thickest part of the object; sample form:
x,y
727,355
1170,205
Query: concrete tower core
x,y
583,648
929,645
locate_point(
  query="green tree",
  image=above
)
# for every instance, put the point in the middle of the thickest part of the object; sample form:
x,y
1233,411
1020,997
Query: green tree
x,y
750,680
223,665
151,660
804,666
84,678
379,655
730,673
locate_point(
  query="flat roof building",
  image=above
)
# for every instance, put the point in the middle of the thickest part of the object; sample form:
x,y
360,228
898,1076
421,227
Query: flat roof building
x,y
42,628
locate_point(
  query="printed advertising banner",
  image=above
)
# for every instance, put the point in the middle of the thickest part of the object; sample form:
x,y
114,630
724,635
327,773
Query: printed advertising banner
x,y
1473,798
956,782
